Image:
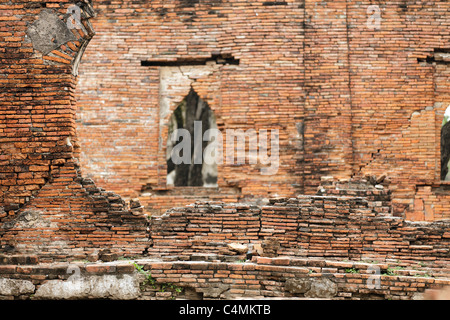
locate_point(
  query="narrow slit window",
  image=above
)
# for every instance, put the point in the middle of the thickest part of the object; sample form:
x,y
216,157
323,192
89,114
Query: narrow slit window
x,y
185,146
445,145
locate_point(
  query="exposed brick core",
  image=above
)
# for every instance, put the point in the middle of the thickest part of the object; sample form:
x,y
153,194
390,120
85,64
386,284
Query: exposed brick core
x,y
46,206
334,226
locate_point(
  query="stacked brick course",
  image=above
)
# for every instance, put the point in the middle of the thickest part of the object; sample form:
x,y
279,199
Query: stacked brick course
x,y
255,94
37,101
326,226
349,99
270,278
46,207
204,228
259,278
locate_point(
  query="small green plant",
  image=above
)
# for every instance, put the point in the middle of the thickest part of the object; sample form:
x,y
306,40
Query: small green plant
x,y
148,276
351,270
390,272
170,286
398,268
149,280
425,275
175,288
139,268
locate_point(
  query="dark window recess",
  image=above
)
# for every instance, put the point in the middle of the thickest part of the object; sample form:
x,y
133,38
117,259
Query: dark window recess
x,y
445,145
218,58
275,3
191,109
439,56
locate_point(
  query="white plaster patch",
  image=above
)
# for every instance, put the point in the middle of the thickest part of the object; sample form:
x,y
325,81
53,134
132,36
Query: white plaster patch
x,y
124,287
14,287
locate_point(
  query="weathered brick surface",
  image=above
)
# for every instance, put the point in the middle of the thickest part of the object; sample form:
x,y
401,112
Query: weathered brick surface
x,y
204,228
252,279
263,92
347,99
340,226
46,207
37,103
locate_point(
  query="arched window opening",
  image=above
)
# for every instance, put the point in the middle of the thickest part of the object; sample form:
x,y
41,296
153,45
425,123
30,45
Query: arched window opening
x,y
445,145
187,126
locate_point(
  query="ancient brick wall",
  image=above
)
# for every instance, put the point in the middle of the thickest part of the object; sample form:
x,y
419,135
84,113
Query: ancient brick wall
x,y
286,277
356,226
120,121
46,206
259,278
37,106
398,99
349,98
